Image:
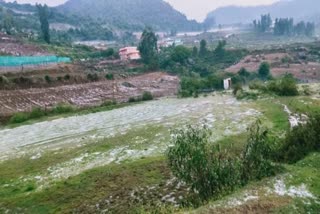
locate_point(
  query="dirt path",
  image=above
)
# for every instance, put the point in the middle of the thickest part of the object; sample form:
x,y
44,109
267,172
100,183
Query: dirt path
x,y
90,94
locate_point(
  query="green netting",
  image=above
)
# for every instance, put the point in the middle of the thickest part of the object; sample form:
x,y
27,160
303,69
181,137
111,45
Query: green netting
x,y
30,60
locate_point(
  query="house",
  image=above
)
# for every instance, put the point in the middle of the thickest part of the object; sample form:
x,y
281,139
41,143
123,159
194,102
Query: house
x,y
227,83
129,53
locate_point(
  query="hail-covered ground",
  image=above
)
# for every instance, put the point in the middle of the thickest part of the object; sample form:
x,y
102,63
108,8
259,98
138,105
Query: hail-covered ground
x,y
148,125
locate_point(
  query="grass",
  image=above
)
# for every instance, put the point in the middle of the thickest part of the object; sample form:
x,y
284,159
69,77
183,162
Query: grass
x,y
82,191
59,111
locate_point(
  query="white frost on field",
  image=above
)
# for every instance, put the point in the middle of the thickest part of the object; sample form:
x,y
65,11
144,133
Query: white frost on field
x,y
300,191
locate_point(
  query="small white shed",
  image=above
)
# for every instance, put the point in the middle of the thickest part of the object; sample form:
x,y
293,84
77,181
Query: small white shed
x,y
227,83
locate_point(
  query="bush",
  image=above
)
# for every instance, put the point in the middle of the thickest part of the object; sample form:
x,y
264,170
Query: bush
x,y
147,96
37,113
62,108
264,70
132,100
109,76
257,85
212,172
208,170
48,79
256,156
237,89
93,77
19,118
286,86
301,140
66,77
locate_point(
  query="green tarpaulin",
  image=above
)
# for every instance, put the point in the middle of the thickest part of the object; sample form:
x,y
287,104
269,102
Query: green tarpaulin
x,y
8,61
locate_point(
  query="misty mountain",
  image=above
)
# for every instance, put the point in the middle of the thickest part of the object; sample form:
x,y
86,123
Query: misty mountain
x,y
297,9
131,14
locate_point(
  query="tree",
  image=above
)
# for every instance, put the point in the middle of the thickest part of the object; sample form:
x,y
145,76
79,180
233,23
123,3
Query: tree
x,y
148,47
7,23
195,51
264,70
43,17
220,51
181,54
264,24
203,48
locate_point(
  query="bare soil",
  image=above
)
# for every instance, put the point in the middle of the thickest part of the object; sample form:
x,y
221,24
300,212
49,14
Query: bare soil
x,y
301,69
88,94
12,46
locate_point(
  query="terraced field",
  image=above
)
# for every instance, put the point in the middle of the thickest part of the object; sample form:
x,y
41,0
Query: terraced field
x,y
90,94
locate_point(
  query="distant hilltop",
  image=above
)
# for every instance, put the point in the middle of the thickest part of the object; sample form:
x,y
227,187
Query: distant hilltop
x,y
297,9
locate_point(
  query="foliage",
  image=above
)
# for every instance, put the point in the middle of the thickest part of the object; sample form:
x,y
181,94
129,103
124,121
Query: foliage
x,y
256,156
43,17
264,24
93,77
148,48
211,171
285,86
48,79
203,48
286,27
180,54
237,88
131,15
264,70
109,76
147,96
301,140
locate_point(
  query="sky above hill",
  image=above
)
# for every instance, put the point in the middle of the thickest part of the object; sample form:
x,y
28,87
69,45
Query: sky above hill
x,y
194,9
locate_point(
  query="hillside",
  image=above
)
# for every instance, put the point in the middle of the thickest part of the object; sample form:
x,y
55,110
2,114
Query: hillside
x,y
298,9
131,14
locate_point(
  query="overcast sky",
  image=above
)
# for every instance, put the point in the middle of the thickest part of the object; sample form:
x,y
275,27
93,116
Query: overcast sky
x,y
194,9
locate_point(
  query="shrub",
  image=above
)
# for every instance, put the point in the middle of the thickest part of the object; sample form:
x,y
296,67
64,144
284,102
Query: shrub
x,y
62,108
257,85
256,156
286,86
37,113
93,77
264,70
48,79
109,76
147,96
66,77
59,79
19,118
132,100
301,140
237,88
212,172
208,170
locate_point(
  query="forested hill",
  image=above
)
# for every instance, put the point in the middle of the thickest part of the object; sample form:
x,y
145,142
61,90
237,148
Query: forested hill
x,y
297,9
131,14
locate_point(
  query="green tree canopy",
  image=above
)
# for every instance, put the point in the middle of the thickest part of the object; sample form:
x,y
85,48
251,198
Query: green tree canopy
x,y
264,70
148,47
203,48
43,17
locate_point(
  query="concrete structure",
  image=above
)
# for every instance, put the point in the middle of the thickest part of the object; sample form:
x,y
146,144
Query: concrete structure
x,y
227,83
170,42
129,53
